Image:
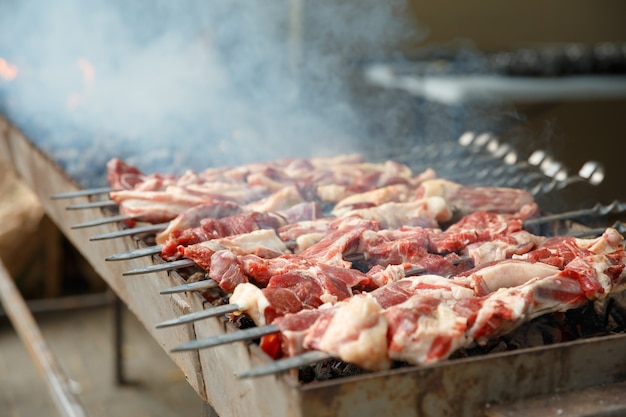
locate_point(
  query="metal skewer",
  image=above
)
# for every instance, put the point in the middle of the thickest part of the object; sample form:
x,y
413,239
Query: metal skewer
x,y
192,286
167,266
216,311
202,285
238,336
106,220
286,364
81,193
249,334
93,204
198,315
598,209
151,228
136,253
619,226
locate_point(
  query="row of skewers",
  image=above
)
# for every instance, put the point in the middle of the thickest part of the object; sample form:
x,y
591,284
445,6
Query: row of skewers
x,y
420,238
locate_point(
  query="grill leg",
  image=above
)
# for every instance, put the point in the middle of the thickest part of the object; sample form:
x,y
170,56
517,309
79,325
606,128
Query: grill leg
x,y
118,340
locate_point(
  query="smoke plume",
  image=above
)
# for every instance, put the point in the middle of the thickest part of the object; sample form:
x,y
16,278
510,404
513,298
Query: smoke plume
x,y
190,84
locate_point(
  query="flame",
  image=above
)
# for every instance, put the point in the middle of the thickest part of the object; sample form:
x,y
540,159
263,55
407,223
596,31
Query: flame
x,y
87,69
88,72
7,71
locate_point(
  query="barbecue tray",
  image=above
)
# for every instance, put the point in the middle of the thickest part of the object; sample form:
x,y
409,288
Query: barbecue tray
x,y
461,387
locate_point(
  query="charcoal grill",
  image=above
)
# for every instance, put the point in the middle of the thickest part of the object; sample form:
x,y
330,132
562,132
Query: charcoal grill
x,y
480,385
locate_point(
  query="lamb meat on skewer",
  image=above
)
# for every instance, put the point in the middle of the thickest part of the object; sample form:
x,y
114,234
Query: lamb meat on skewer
x,y
423,328
271,186
351,236
468,199
216,227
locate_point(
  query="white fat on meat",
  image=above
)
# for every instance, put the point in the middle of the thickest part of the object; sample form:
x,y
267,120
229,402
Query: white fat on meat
x,y
426,175
364,342
320,162
395,192
516,243
241,193
467,199
307,240
304,233
428,211
280,200
332,193
249,298
263,242
261,179
155,206
391,273
153,184
439,187
431,338
506,274
610,240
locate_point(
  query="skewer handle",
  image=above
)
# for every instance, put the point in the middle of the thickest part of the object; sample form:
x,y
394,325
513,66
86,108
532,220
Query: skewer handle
x,y
82,193
191,286
99,222
222,339
166,266
282,365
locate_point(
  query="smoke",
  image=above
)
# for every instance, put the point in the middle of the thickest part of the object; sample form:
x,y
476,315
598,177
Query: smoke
x,y
191,84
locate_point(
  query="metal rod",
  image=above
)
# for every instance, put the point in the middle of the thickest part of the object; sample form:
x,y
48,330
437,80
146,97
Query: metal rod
x,y
106,220
118,341
135,253
167,266
286,364
216,311
619,226
93,204
598,209
152,228
191,286
24,323
81,193
199,315
222,339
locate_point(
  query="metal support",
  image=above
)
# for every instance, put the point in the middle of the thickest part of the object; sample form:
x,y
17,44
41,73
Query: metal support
x,y
66,401
118,341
